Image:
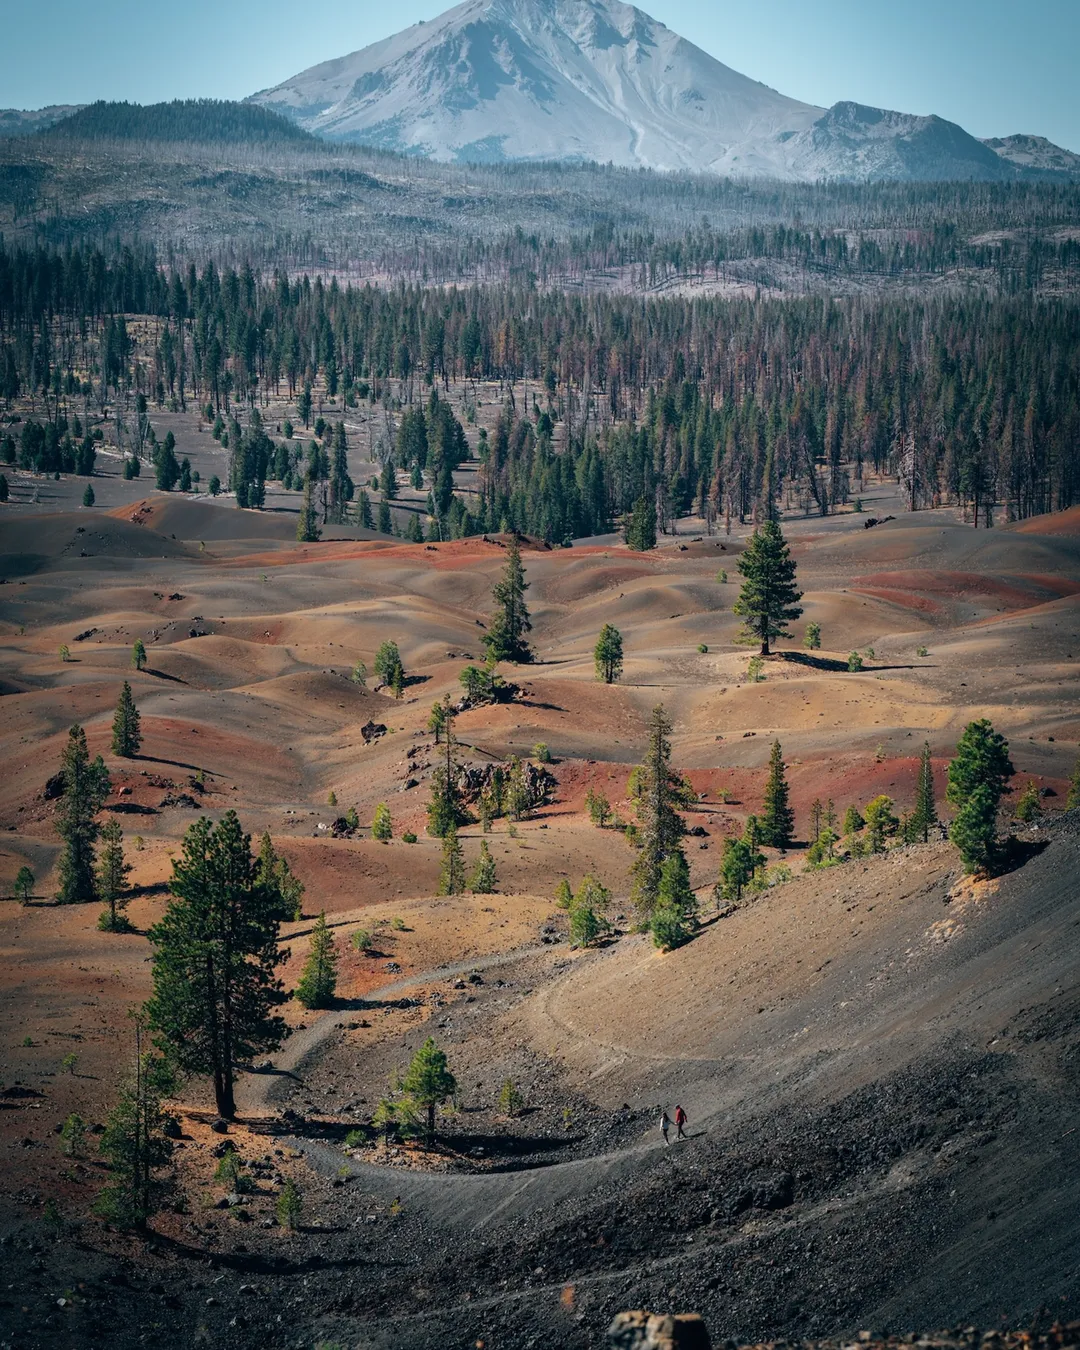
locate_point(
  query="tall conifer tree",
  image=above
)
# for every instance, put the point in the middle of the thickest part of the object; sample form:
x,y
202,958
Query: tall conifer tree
x,y
777,824
662,826
769,599
126,727
319,977
506,638
216,955
86,785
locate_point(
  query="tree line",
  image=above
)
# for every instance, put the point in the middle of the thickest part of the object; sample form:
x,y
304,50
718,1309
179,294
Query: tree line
x,y
717,405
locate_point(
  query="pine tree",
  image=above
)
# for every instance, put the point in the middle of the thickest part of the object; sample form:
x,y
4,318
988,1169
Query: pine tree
x,y
388,664
768,599
978,775
138,654
974,829
505,639
88,497
675,913
640,528
738,863
880,822
290,1204
382,826
452,875
778,819
135,1144
126,727
608,654
24,884
307,527
318,980
662,826
924,816
73,1134
853,820
483,878
112,877
216,955
86,785
274,873
429,1082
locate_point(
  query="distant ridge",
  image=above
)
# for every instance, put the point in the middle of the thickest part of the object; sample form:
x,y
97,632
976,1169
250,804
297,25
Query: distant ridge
x,y
200,120
17,122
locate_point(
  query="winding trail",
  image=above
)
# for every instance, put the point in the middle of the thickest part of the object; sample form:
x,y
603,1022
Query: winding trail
x,y
258,1092
456,1200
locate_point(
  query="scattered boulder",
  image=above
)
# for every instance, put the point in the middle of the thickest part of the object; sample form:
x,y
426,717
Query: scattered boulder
x,y
54,787
371,731
219,1125
180,799
658,1331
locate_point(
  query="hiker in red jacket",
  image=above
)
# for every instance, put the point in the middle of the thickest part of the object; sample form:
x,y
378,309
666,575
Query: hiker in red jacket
x,y
680,1121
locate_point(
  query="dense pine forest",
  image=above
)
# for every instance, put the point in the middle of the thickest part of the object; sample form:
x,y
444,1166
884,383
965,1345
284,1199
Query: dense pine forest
x,y
720,407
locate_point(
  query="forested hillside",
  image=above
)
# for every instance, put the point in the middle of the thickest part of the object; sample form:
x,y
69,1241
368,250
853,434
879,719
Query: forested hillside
x,y
203,120
718,406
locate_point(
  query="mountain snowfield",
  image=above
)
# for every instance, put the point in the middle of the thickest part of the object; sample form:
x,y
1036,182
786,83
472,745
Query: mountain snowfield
x,y
600,80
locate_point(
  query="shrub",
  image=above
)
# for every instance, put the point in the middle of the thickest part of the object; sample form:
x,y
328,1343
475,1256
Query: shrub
x,y
73,1133
812,637
382,827
598,807
853,821
702,649
1029,803
854,662
356,1139
880,823
755,670
362,939
721,577
408,837
398,925
289,1204
230,1174
510,1099
541,753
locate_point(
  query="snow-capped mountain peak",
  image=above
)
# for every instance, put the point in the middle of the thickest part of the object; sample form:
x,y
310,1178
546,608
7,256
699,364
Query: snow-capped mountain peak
x,y
602,80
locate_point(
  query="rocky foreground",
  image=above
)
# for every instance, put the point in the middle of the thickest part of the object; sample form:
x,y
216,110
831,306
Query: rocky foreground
x,y
642,1330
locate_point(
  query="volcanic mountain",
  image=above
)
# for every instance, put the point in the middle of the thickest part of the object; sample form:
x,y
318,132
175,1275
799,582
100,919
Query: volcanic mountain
x,y
601,80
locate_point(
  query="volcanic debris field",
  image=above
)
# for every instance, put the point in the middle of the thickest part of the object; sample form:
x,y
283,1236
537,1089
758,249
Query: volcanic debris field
x,y
880,1061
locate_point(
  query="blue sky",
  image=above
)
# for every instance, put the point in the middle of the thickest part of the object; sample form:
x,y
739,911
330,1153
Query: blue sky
x,y
995,66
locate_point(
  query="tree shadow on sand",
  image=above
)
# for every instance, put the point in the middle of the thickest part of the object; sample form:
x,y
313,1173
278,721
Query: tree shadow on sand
x,y
834,664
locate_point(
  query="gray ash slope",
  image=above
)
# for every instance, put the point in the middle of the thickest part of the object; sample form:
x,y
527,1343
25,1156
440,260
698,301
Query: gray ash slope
x,y
923,1170
601,80
918,1165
